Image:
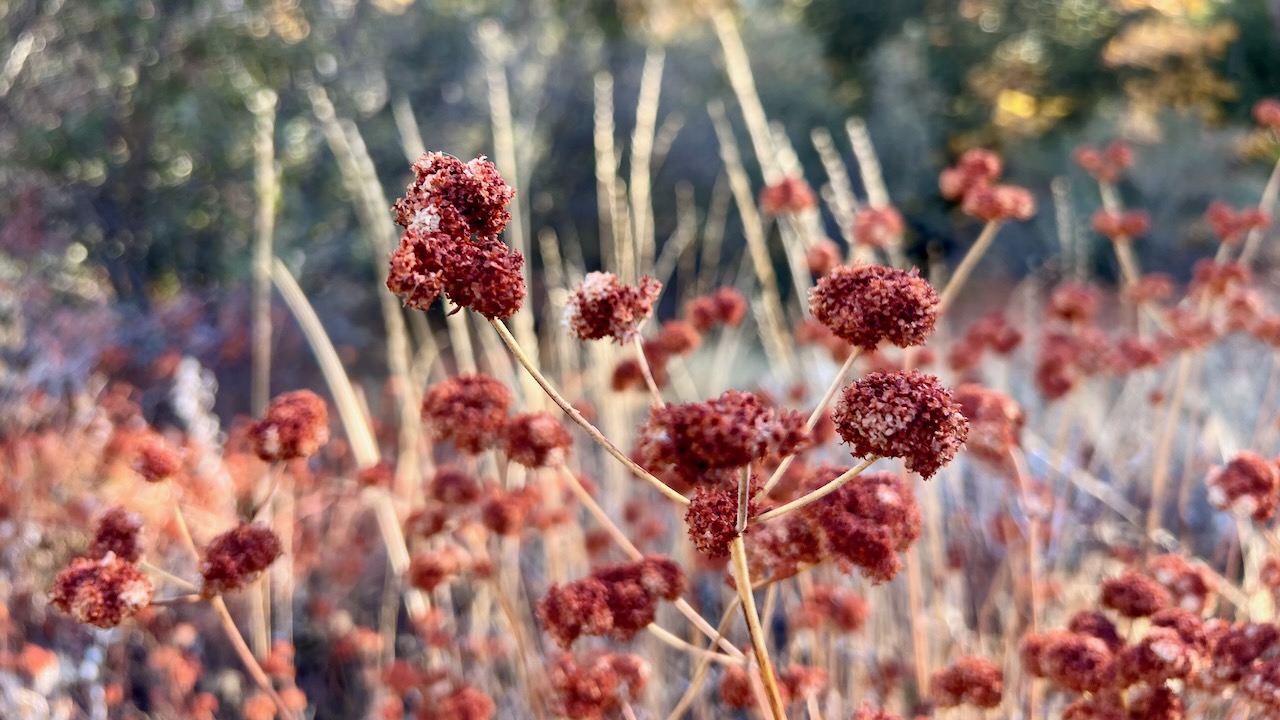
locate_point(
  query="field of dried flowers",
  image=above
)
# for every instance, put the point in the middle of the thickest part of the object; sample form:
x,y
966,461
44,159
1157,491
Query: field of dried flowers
x,y
846,494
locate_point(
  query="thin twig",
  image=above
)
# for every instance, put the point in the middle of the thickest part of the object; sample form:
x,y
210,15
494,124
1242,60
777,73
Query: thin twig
x,y
742,578
815,495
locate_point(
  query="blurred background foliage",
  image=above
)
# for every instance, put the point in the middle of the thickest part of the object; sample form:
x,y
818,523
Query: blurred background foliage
x,y
127,126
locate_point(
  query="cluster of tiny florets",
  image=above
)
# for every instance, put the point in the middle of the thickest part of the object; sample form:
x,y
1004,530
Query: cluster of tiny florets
x,y
869,304
712,518
995,422
970,681
907,415
1231,225
789,195
597,688
536,439
236,557
102,591
117,534
1247,485
617,600
154,459
867,522
1107,164
452,214
470,410
702,443
295,425
1134,594
878,227
1121,225
601,306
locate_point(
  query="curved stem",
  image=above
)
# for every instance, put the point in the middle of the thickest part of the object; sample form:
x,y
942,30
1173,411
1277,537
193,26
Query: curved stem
x,y
966,266
577,417
742,578
815,495
678,643
647,372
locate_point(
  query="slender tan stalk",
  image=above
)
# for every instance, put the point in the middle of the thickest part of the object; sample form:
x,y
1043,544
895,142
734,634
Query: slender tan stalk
x,y
613,246
737,66
814,416
1164,446
815,495
1270,193
264,175
647,371
742,578
168,576
188,599
577,417
915,601
700,674
678,643
966,266
642,139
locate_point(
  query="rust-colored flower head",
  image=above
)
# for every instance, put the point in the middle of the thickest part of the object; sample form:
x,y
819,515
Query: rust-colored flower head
x,y
155,460
870,304
907,415
629,374
443,185
1101,707
712,518
1160,655
507,513
1191,586
1230,224
296,425
867,522
1092,622
234,558
1119,226
995,422
878,227
595,689
484,275
117,534
782,546
823,256
1156,702
619,600
1134,595
970,681
702,443
788,196
735,687
1072,661
536,440
725,306
867,712
1073,303
601,306
977,168
1105,165
1233,651
1248,485
1187,624
1262,684
429,570
1214,279
677,337
453,486
102,592
999,203
470,410
1266,112
839,608
464,703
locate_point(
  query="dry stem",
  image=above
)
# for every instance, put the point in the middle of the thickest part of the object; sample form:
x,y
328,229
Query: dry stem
x,y
742,578
815,495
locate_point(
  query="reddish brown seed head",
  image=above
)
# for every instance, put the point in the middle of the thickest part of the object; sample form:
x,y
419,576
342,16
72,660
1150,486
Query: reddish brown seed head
x,y
970,681
678,337
787,196
1192,586
1134,595
429,570
871,304
1073,302
822,257
907,415
1160,655
712,518
470,410
976,169
1096,624
1072,661
601,306
878,227
117,534
995,422
596,688
102,592
1266,112
1248,485
155,459
464,703
295,425
725,306
999,203
473,191
507,513
866,522
575,609
536,440
234,558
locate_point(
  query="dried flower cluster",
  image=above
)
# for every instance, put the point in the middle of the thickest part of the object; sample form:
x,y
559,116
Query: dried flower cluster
x,y
725,306
117,534
704,443
101,591
296,425
601,306
871,304
1121,226
1230,224
469,410
866,523
788,196
902,415
236,557
969,681
452,214
618,600
598,687
878,227
971,181
995,422
1248,485
1105,165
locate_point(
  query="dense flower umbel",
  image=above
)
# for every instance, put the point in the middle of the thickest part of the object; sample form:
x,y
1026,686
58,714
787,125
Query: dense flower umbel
x,y
1160,655
725,306
470,410
1230,224
619,600
1105,165
536,440
296,425
101,592
601,306
155,460
702,443
788,195
464,703
907,415
1266,112
998,203
1191,586
234,558
452,213
596,688
995,422
970,681
1247,485
976,168
117,534
712,518
1134,595
1120,226
878,227
870,304
1072,661
867,522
